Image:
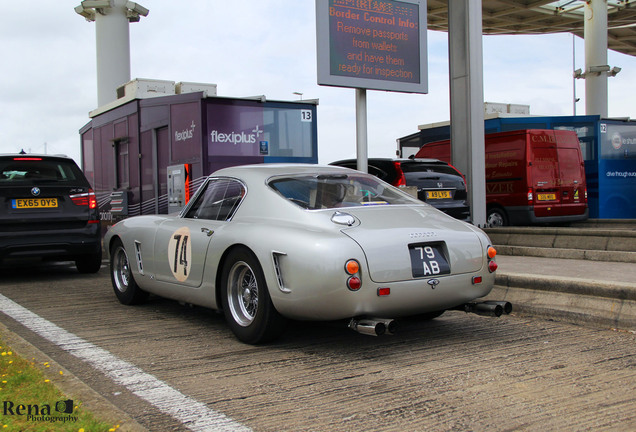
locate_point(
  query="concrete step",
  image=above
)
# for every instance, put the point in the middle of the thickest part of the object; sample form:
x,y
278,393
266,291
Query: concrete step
x,y
575,301
583,274
576,291
577,254
595,241
629,224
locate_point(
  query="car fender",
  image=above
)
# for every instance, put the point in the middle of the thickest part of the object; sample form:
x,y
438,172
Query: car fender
x,y
137,235
284,252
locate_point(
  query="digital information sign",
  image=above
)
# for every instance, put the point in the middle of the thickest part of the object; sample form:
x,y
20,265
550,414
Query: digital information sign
x,y
372,44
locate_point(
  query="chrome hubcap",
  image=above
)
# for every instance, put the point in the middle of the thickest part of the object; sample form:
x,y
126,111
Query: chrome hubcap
x,y
495,220
121,270
242,293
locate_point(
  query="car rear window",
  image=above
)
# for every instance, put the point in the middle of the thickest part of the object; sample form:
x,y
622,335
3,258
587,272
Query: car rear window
x,y
326,191
419,167
28,170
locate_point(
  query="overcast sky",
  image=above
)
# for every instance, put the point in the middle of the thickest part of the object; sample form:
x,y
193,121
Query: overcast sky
x,y
256,47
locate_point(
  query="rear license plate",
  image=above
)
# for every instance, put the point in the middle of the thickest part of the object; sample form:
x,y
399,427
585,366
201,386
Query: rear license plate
x,y
28,203
438,194
546,197
427,260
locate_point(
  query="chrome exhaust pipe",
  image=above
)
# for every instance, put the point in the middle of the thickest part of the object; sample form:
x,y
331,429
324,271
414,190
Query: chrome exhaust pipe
x,y
483,309
390,324
507,306
372,326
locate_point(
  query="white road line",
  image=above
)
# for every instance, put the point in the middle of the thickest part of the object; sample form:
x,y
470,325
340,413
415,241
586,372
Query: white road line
x,y
193,414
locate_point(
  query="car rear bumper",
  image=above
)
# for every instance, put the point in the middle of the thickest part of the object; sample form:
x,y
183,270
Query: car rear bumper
x,y
406,298
61,244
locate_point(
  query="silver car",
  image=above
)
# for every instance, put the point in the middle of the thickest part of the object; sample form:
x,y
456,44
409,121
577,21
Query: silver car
x,y
266,243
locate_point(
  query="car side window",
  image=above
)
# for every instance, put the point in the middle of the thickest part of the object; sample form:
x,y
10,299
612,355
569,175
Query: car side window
x,y
219,200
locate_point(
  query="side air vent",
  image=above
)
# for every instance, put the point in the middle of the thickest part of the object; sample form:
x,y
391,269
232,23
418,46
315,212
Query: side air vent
x,y
276,257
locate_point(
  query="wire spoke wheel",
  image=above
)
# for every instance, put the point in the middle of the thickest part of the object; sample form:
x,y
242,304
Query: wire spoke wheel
x,y
247,305
121,270
121,276
243,292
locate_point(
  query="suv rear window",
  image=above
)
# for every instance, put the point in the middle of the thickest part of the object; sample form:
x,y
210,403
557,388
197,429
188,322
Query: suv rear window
x,y
419,167
27,170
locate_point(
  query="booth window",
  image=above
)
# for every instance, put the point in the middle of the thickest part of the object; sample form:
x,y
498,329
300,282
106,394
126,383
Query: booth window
x,y
288,135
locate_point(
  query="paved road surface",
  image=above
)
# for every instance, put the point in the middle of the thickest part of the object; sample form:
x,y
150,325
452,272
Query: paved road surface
x,y
457,372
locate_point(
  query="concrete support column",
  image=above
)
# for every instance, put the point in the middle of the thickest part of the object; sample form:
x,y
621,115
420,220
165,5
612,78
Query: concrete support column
x,y
113,42
113,51
361,130
596,66
467,100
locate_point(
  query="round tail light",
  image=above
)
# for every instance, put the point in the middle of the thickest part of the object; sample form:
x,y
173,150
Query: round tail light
x,y
352,267
492,266
354,283
492,252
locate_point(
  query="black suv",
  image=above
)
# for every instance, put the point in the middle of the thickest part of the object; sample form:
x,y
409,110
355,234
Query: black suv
x,y
437,182
48,210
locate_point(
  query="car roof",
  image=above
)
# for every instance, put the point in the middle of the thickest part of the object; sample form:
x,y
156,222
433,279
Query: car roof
x,y
35,155
275,169
422,160
401,160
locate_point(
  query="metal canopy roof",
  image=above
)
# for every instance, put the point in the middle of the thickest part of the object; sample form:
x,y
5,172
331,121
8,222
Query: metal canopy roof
x,y
508,17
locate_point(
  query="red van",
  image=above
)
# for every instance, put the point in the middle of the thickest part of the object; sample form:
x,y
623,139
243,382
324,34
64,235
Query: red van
x,y
532,176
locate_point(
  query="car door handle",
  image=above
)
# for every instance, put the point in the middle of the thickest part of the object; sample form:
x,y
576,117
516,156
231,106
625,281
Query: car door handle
x,y
208,231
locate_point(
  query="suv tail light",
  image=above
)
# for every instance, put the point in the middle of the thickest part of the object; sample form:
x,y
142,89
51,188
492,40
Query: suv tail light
x,y
85,199
459,173
400,180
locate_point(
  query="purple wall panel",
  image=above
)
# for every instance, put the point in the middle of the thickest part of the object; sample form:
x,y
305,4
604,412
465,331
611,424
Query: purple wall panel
x,y
234,129
88,156
147,190
105,181
185,127
133,154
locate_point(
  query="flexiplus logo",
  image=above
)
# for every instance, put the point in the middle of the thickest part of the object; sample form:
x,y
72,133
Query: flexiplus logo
x,y
236,137
186,133
60,412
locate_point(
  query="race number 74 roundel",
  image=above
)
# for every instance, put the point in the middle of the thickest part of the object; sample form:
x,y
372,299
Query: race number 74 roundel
x,y
180,254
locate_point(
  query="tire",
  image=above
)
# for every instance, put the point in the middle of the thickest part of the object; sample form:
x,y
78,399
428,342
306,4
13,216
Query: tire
x,y
496,217
247,306
89,264
124,285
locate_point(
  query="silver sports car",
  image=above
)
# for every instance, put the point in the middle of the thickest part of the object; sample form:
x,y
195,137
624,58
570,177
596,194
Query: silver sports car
x,y
269,242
